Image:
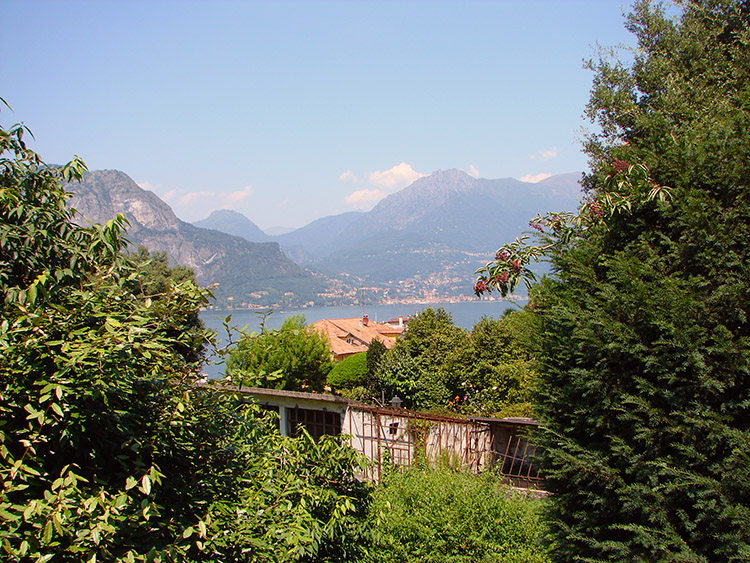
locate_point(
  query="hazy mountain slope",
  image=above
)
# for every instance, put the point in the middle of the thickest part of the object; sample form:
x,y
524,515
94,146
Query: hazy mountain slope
x,y
442,227
245,271
319,238
233,223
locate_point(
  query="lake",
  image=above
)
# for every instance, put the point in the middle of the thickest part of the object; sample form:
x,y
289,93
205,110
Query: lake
x,y
464,314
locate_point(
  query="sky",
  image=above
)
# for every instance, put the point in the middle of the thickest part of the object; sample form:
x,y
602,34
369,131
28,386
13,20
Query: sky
x,y
289,111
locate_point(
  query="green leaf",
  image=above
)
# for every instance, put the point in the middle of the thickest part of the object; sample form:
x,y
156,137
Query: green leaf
x,y
145,485
47,532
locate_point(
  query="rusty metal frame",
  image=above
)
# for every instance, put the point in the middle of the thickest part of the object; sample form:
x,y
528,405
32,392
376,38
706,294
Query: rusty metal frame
x,y
464,438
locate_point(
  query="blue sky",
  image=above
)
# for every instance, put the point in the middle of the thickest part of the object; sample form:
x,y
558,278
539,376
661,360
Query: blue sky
x,y
288,111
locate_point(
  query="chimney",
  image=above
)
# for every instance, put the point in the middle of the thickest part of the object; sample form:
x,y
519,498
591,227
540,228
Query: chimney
x,y
400,321
365,320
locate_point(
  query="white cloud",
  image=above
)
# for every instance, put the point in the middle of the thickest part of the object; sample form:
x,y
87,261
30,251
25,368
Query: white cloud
x,y
147,186
171,195
473,171
383,182
544,154
240,195
534,178
189,198
348,176
198,204
399,176
365,196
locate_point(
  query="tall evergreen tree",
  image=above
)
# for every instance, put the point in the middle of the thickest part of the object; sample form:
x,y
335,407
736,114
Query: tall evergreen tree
x,y
645,385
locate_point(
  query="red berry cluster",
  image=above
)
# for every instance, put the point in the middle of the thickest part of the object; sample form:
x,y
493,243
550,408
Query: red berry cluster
x,y
620,165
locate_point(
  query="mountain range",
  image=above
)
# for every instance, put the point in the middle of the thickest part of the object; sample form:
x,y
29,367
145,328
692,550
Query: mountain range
x,y
423,242
247,272
438,230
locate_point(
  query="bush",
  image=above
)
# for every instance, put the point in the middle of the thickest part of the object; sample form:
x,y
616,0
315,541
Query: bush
x,y
296,358
108,452
350,372
452,516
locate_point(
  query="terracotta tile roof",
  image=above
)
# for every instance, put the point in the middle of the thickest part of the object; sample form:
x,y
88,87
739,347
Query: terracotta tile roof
x,y
350,336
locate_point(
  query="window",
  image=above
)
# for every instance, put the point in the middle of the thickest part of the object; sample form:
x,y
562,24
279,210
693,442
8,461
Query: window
x,y
317,422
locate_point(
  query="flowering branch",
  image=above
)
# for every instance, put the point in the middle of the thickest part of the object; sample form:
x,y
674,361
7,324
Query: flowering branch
x,y
629,184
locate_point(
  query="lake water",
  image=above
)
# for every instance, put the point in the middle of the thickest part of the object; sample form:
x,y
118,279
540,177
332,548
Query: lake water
x,y
464,314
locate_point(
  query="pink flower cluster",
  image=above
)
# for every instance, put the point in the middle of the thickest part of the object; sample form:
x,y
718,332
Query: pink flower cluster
x,y
620,165
480,287
501,278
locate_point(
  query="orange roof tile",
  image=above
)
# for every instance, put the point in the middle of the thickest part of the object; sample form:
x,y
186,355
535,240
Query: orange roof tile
x,y
350,336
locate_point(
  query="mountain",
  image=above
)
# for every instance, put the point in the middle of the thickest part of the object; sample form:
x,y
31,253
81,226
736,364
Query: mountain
x,y
319,238
428,239
466,213
233,223
247,272
423,242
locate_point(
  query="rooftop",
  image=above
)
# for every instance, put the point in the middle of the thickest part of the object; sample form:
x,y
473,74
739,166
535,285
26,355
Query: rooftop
x,y
353,335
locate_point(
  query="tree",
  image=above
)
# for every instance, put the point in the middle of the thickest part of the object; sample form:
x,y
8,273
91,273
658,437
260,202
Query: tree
x,y
108,450
155,276
156,281
375,353
91,379
349,372
295,357
422,367
645,363
499,365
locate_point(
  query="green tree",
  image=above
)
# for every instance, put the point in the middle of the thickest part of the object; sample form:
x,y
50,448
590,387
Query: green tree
x,y
349,372
646,355
155,276
375,353
499,365
108,451
422,368
295,357
156,281
91,378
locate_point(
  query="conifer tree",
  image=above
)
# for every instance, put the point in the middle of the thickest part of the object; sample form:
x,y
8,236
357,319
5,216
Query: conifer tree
x,y
645,385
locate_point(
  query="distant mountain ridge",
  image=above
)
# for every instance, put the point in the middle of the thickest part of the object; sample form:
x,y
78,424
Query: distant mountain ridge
x,y
257,273
471,214
233,223
428,239
434,234
421,243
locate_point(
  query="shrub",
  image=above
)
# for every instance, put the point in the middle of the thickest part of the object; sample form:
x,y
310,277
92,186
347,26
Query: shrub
x,y
350,372
453,516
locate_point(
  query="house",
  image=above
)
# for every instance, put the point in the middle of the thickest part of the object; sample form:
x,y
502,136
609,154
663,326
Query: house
x,y
398,322
351,336
394,436
320,413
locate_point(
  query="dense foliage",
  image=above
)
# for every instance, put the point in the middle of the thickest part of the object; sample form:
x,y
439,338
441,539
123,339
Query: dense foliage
x,y
646,348
349,372
295,358
108,451
156,280
439,366
446,516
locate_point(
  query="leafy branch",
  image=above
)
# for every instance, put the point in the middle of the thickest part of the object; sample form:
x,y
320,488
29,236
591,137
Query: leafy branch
x,y
629,185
